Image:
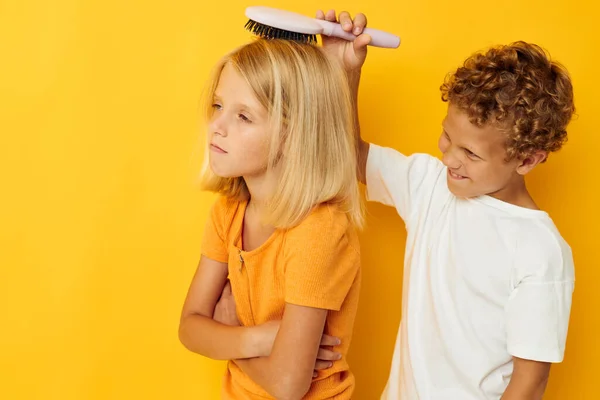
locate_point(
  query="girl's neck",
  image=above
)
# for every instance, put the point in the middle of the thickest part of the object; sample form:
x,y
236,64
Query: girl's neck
x,y
259,189
254,231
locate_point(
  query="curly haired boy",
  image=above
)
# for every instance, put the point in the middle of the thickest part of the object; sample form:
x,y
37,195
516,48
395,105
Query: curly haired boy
x,y
488,279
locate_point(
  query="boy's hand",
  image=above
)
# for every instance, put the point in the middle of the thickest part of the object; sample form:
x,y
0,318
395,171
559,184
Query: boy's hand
x,y
325,357
225,310
351,55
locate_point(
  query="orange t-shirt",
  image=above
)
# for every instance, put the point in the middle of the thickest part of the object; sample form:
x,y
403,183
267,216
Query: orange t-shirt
x,y
315,264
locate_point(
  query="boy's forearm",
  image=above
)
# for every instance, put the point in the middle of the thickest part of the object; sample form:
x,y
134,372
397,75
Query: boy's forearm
x,y
203,335
516,392
353,82
523,387
362,147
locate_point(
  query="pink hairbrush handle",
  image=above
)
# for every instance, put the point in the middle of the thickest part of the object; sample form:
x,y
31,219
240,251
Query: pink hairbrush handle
x,y
378,38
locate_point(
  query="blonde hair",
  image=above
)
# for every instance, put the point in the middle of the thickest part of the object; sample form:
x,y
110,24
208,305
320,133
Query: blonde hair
x,y
310,108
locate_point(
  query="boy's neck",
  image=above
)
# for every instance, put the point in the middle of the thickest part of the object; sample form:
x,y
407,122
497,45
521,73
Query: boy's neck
x,y
516,194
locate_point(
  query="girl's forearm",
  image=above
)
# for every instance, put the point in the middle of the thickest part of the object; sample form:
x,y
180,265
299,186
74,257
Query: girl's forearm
x,y
203,335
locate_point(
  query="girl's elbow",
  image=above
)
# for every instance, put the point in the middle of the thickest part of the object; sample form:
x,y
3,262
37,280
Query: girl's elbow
x,y
293,387
293,394
184,337
192,341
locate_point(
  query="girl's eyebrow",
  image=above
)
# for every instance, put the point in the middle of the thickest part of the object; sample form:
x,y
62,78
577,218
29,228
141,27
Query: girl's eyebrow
x,y
242,106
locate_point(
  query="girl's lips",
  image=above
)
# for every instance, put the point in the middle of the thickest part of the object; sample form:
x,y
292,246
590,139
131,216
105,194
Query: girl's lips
x,y
216,148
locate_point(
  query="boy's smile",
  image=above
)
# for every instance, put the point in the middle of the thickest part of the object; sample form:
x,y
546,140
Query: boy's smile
x,y
477,163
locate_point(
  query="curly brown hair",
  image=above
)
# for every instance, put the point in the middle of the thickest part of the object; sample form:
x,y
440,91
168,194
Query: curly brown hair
x,y
518,88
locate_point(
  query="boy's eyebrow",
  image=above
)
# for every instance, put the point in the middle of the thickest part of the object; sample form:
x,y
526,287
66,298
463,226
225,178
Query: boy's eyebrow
x,y
472,150
466,147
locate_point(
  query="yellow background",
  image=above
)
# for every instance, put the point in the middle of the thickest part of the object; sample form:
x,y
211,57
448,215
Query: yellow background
x,y
100,221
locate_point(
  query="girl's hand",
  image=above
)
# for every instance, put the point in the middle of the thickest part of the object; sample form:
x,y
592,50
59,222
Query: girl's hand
x,y
326,356
267,333
225,310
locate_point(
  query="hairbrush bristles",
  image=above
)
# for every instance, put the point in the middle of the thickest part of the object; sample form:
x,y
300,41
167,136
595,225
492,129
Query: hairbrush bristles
x,y
268,32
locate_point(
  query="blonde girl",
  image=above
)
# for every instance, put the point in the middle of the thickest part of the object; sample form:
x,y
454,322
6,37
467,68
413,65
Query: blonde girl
x,y
282,232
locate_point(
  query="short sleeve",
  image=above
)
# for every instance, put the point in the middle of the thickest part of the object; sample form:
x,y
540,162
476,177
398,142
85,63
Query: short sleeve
x,y
322,260
539,306
400,181
214,245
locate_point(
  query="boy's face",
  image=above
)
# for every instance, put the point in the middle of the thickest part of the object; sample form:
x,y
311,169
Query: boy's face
x,y
476,158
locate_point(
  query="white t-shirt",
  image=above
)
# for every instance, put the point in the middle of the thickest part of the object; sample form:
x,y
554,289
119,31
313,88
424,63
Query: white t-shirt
x,y
484,280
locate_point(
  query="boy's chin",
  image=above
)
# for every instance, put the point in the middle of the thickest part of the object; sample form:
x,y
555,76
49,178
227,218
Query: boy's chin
x,y
463,192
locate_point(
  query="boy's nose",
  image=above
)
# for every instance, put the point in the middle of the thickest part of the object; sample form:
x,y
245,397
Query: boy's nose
x,y
450,161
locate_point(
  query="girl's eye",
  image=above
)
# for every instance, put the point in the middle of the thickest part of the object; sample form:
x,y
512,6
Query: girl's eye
x,y
244,118
216,106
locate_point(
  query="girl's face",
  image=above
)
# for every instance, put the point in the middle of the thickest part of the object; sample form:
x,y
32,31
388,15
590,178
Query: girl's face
x,y
239,129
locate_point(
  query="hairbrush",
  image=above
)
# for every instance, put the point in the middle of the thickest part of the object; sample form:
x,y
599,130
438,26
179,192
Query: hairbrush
x,y
271,23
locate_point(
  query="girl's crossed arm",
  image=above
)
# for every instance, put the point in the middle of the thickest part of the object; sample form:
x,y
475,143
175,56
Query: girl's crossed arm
x,y
287,372
200,333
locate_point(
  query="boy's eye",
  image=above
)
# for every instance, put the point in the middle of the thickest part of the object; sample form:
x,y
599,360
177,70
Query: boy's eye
x,y
471,154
